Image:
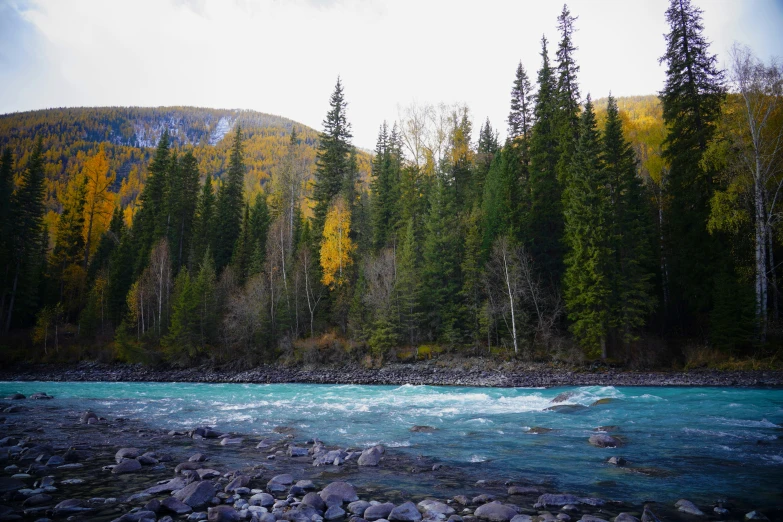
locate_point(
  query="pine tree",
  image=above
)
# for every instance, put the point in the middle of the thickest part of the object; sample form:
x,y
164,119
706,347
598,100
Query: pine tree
x,y
546,214
149,223
590,257
691,99
243,249
385,187
68,254
332,161
567,116
230,204
471,271
259,229
182,205
408,286
486,150
520,118
500,200
203,222
27,211
460,160
520,125
630,230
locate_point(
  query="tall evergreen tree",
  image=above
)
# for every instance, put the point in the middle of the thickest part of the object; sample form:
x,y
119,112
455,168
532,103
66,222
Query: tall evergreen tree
x,y
546,214
149,223
486,150
6,223
385,187
182,207
230,204
259,230
589,261
567,94
520,124
520,118
203,222
691,100
332,160
243,249
68,251
408,286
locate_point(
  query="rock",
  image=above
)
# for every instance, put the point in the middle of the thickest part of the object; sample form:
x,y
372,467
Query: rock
x,y
462,500
358,507
592,518
314,499
563,396
686,506
522,518
206,432
343,490
371,456
228,441
523,490
16,397
187,466
222,514
127,466
197,494
539,430
649,516
552,499
617,461
328,458
625,517
596,502
406,512
423,429
482,499
607,428
147,460
126,453
41,396
153,505
171,485
70,507
378,511
175,506
197,457
334,512
240,481
294,451
755,515
10,484
434,507
137,516
207,473
496,512
601,402
307,485
262,499
285,479
37,500
567,408
602,440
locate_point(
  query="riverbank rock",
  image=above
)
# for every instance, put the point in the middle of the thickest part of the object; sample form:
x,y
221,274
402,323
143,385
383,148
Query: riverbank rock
x,y
554,499
126,453
496,512
197,494
435,507
71,507
625,517
41,396
334,513
755,515
406,512
126,466
524,490
371,456
423,429
378,511
171,485
602,440
358,507
343,490
686,506
222,514
175,506
294,451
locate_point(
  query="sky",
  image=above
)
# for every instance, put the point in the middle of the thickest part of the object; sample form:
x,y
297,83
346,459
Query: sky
x,y
283,56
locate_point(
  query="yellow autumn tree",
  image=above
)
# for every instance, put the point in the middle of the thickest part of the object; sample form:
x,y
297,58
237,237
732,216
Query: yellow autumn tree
x,y
99,200
336,246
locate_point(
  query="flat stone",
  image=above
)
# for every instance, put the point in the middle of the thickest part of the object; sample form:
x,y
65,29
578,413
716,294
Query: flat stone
x,y
343,490
172,485
435,507
522,518
37,500
197,494
523,490
378,511
126,453
197,457
240,481
686,506
358,507
228,441
625,517
496,512
175,506
407,512
554,499
126,466
755,515
262,499
334,513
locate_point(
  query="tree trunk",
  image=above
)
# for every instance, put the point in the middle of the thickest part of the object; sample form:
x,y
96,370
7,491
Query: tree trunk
x,y
511,302
761,254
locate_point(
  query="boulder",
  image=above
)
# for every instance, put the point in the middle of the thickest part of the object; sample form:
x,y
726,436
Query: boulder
x,y
378,511
197,457
172,505
592,518
686,506
358,507
37,500
127,466
563,396
41,396
334,513
314,499
434,507
603,440
187,466
306,485
329,458
371,456
554,499
567,408
126,453
522,518
137,516
423,429
617,461
343,490
262,499
197,494
171,485
625,517
755,515
206,432
206,473
228,441
240,481
16,397
71,507
462,500
405,513
222,514
496,512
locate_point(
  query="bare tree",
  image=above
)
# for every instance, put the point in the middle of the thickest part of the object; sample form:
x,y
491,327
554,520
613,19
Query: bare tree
x,y
244,320
313,288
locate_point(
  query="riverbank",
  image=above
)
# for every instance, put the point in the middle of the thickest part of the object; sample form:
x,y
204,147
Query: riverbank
x,y
62,462
468,372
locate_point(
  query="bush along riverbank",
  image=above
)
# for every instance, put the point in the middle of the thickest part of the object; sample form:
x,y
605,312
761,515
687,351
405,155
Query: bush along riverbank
x,y
471,372
82,465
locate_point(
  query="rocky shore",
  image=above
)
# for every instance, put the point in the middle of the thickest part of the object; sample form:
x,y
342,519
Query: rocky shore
x,y
470,373
76,465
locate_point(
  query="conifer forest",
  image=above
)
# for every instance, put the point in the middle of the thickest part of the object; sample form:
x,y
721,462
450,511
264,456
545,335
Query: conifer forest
x,y
627,229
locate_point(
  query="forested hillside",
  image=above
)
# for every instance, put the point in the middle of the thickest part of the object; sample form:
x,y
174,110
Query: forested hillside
x,y
628,229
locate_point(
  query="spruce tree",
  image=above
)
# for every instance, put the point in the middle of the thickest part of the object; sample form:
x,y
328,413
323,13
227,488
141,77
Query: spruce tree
x,y
486,150
567,116
520,118
385,187
408,286
590,257
259,229
230,204
6,190
149,223
691,99
243,249
68,249
182,207
203,222
546,214
332,159
520,125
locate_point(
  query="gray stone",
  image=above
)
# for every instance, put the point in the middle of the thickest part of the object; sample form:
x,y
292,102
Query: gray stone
x,y
197,457
307,485
315,500
228,441
197,494
334,513
10,484
171,485
329,458
378,511
755,515
55,460
595,502
406,512
240,481
175,506
522,518
625,517
603,440
147,460
462,500
16,397
262,499
371,456
127,466
343,490
138,516
126,453
553,499
592,518
294,451
71,506
617,461
434,507
496,512
187,466
207,473
686,506
222,514
523,490
358,507
563,396
37,500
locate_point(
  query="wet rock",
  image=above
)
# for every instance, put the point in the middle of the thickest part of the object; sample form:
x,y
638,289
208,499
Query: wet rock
x,y
196,495
137,516
755,515
523,490
228,441
222,514
617,461
595,502
16,397
70,507
592,518
206,432
686,506
173,505
343,490
522,518
262,499
607,428
371,456
314,499
554,499
126,466
378,511
496,512
567,408
625,517
539,430
462,500
126,453
334,513
306,485
329,458
197,457
294,451
358,507
55,460
171,485
601,402
41,396
187,466
435,507
239,481
406,512
37,500
602,440
8,441
563,396
423,429
10,484
482,499
153,505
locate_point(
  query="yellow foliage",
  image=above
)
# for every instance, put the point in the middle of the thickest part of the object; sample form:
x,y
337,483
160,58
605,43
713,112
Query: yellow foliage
x,y
99,200
336,246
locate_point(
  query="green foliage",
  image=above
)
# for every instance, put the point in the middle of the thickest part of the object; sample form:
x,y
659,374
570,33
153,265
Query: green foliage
x,y
230,203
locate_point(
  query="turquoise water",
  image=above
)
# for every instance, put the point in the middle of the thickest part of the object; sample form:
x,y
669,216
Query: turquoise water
x,y
699,443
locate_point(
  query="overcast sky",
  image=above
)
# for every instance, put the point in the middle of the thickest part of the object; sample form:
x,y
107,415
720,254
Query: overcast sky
x,y
283,56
